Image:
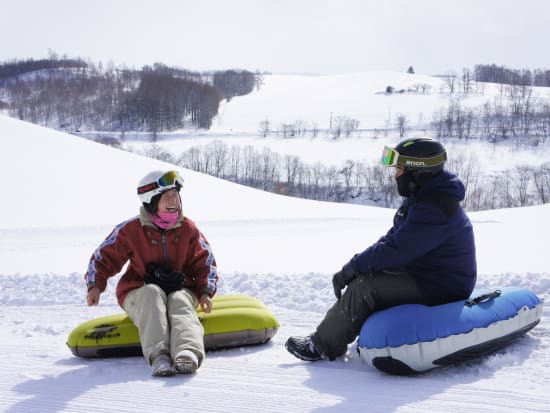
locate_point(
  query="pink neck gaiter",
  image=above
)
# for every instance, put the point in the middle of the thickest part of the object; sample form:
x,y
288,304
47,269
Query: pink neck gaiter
x,y
165,220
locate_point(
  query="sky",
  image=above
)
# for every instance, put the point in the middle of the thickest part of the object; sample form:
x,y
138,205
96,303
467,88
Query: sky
x,y
282,36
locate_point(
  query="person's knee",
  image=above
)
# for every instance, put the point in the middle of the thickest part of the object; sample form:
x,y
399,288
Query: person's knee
x,y
362,290
183,297
142,295
151,293
153,289
393,288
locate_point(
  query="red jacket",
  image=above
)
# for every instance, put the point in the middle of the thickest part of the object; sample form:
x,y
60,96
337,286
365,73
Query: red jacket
x,y
182,248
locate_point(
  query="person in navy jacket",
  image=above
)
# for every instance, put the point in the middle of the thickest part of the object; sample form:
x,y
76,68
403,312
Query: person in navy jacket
x,y
427,256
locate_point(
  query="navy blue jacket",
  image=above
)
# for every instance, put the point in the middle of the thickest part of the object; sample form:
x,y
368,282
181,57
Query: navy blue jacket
x,y
433,243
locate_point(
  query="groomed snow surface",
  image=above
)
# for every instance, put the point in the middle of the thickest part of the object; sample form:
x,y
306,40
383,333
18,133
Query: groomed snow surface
x,y
61,195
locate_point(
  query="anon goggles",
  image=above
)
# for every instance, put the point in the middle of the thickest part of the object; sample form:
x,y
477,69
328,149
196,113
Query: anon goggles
x,y
390,157
165,182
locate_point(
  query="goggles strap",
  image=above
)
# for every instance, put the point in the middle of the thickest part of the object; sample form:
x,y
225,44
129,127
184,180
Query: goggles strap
x,y
421,162
146,188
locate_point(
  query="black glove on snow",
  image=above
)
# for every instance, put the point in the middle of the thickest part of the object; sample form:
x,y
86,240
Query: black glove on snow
x,y
342,278
169,281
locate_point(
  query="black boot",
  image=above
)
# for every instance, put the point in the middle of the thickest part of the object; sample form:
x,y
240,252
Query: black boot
x,y
303,348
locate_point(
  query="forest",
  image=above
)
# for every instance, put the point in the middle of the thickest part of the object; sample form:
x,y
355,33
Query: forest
x,y
355,181
73,94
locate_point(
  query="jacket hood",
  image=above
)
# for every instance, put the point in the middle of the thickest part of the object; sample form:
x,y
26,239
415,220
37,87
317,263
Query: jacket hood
x,y
447,183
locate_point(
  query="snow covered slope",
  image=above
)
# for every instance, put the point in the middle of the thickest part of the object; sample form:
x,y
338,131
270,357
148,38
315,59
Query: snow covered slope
x,y
61,196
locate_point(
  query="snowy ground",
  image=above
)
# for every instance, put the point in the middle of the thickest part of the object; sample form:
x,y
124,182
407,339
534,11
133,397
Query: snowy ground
x,y
61,197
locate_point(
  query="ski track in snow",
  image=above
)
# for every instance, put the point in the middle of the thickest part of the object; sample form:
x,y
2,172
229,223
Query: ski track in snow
x,y
42,309
279,249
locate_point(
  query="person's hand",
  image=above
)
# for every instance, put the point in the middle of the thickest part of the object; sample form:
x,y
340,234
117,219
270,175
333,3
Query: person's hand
x,y
93,296
205,303
343,277
338,284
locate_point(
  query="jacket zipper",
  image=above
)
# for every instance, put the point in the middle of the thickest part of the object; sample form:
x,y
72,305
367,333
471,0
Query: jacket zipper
x,y
164,249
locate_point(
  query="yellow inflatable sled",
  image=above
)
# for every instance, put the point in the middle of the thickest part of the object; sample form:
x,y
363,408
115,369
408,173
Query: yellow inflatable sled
x,y
235,321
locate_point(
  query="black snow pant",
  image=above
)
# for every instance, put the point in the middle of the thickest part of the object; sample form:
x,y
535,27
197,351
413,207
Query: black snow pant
x,y
363,296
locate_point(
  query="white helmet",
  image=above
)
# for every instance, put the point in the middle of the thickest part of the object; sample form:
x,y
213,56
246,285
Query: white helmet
x,y
157,182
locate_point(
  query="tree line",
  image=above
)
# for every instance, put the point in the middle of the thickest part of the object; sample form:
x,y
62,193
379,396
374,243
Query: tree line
x,y
355,181
9,70
521,118
521,77
514,114
74,94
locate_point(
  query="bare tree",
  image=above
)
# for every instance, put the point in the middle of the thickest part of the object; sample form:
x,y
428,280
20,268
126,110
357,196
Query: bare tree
x,y
156,152
343,125
235,164
467,81
269,168
521,179
191,159
314,129
218,152
401,123
299,127
292,167
287,129
347,172
541,181
450,82
264,128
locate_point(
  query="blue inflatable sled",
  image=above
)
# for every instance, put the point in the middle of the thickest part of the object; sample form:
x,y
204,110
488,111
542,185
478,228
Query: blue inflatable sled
x,y
413,338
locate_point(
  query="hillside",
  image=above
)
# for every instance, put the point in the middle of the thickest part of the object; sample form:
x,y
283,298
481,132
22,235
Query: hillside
x,y
63,196
362,96
478,129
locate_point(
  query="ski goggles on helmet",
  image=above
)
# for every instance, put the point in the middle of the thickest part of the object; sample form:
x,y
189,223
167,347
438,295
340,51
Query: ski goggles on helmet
x,y
169,180
390,157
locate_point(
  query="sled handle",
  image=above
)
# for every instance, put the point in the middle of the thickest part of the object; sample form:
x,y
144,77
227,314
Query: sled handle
x,y
481,298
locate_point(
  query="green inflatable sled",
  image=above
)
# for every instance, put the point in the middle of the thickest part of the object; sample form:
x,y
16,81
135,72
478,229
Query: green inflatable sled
x,y
235,321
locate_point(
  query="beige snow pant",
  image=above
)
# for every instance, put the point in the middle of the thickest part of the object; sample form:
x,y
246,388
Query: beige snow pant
x,y
166,324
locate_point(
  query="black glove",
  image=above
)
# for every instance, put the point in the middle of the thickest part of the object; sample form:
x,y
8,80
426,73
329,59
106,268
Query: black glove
x,y
169,281
342,278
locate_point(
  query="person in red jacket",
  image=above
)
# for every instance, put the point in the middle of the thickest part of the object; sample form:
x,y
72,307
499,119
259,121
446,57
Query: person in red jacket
x,y
171,270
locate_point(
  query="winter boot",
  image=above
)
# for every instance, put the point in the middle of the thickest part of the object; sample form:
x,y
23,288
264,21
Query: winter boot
x,y
303,348
162,366
186,362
